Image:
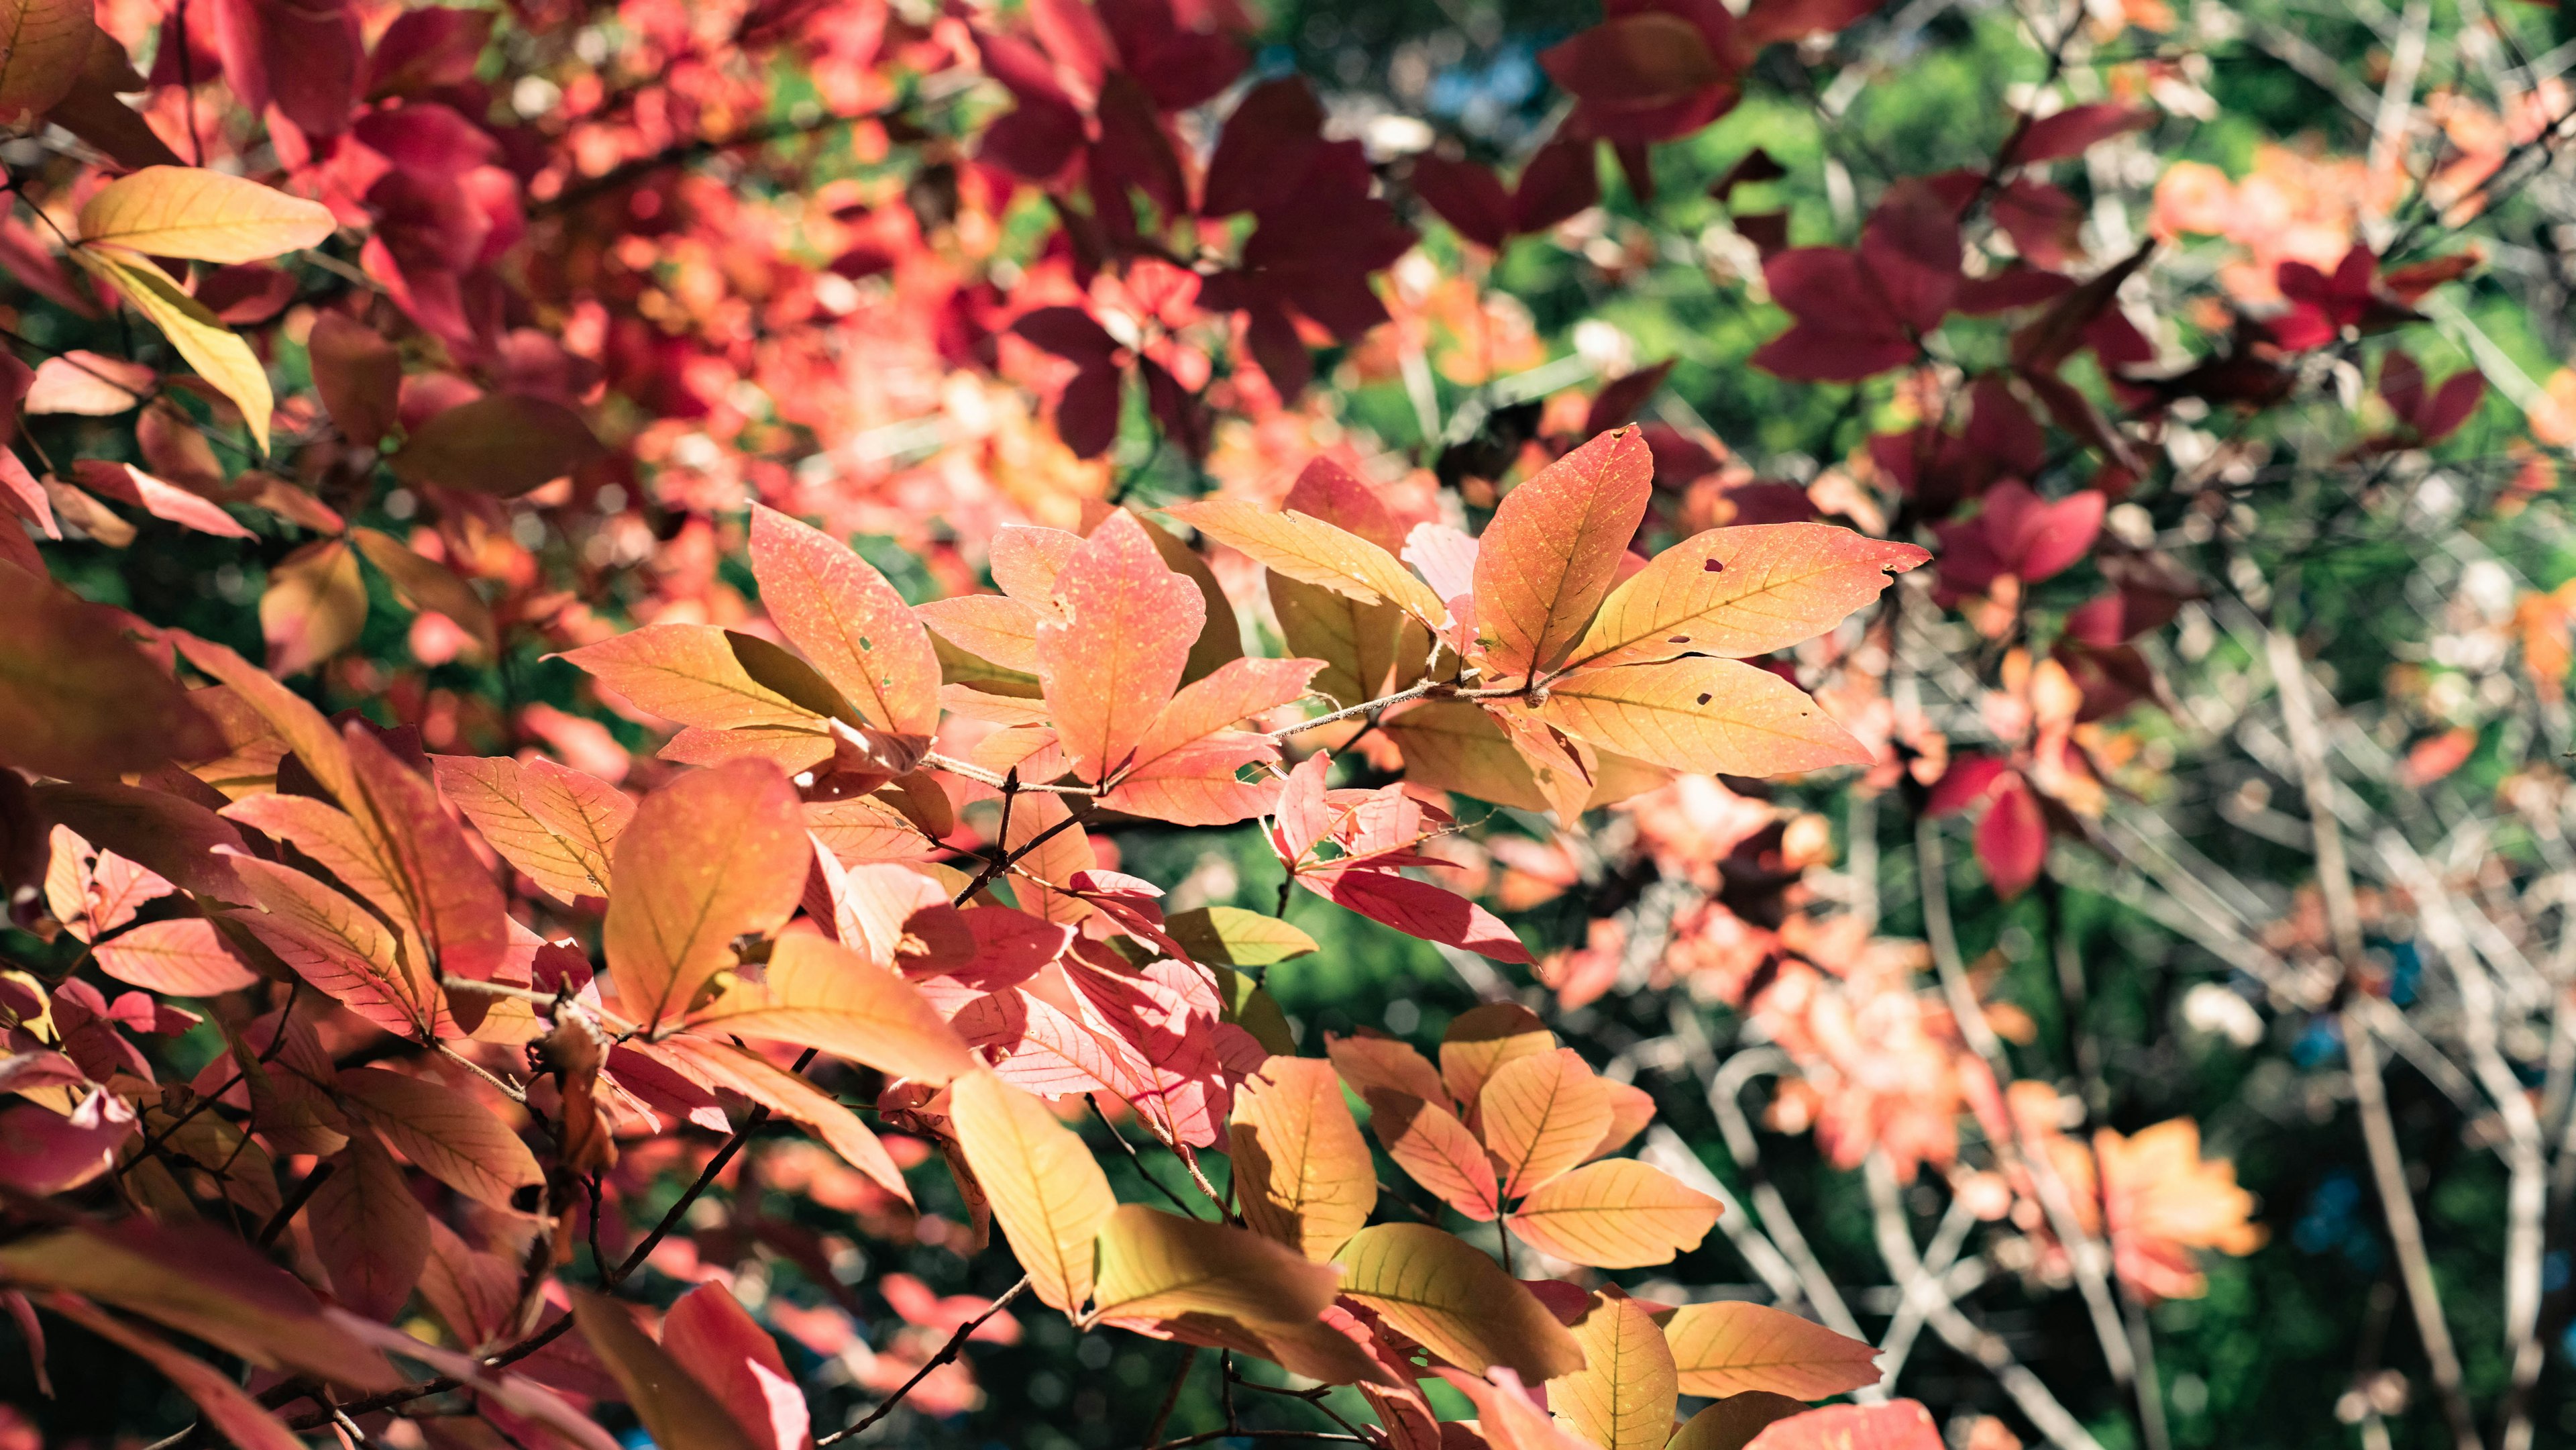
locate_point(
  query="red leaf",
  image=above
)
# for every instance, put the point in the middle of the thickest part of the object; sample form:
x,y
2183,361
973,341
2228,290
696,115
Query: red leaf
x,y
1898,1425
1561,180
2012,840
1469,197
1268,144
2077,129
723,1348
1418,908
1112,662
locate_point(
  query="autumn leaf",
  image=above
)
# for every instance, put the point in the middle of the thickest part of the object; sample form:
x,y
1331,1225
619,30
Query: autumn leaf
x,y
717,1343
1369,1059
1233,937
1046,1189
1483,1038
77,700
1732,1422
1706,716
1158,1265
371,1234
1314,552
1427,1141
1624,1396
1615,1214
676,1410
429,586
448,895
1458,1303
818,993
1110,665
1549,556
992,627
314,607
220,357
500,445
1897,1425
848,621
556,825
359,376
1741,592
795,1099
716,854
205,216
342,949
42,46
448,1135
1302,1171
1731,1346
184,957
693,674
1540,1115
1418,908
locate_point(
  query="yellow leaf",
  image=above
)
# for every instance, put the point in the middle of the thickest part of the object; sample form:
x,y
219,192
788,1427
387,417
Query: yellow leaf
x,y
1624,1396
1710,716
1541,1115
222,359
1455,1301
1045,1186
991,627
1616,1214
1314,552
818,993
1301,1168
1742,592
1481,1039
314,607
691,673
676,1410
1732,1346
1157,1265
206,216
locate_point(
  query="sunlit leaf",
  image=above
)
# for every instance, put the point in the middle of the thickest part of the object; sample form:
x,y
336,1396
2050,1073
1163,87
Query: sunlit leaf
x,y
1427,1141
1546,561
798,1101
1045,1187
1742,592
185,957
1455,1301
1231,936
1615,1214
818,993
1709,716
1314,552
1116,657
221,358
1624,1396
1157,1265
1897,1425
836,608
1302,1172
714,855
1541,1114
1730,1346
205,216
1483,1038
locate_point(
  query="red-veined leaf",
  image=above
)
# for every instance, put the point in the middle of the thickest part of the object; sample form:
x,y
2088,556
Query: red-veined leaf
x,y
184,957
449,1135
1427,1141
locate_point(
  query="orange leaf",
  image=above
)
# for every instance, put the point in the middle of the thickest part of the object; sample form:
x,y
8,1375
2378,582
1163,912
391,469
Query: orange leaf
x,y
1045,1187
1371,1060
1625,1395
1615,1214
1730,1346
836,608
359,376
711,856
676,1410
993,627
315,741
1427,1140
1157,1265
1314,552
1897,1425
1455,1302
1540,1115
1741,592
795,1099
862,829
449,1135
691,673
818,993
556,825
1112,663
1025,561
500,444
1483,1038
1220,638
444,890
76,699
341,948
1552,551
1631,1109
1707,716
1508,1417
43,44
1732,1422
205,216
184,957
1302,1170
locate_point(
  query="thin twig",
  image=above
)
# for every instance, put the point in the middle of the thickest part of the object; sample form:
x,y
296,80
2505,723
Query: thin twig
x,y
949,1351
